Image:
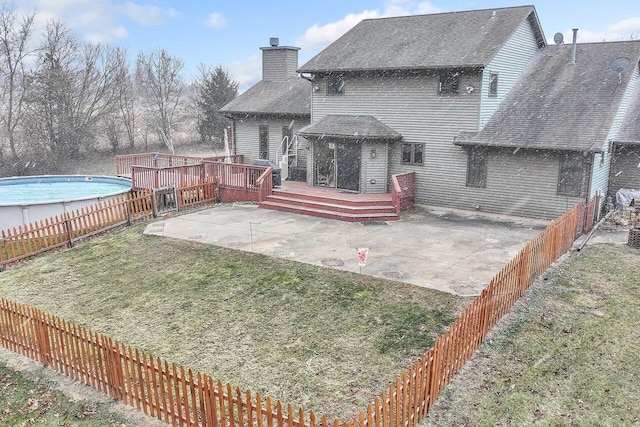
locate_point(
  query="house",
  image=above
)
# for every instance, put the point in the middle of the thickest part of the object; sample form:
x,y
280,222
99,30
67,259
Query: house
x,y
550,141
267,116
479,107
625,147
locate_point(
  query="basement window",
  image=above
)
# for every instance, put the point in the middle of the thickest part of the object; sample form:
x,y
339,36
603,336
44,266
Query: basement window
x,y
449,83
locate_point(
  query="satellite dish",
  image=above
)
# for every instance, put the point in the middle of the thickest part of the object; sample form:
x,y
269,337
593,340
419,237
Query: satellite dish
x,y
558,38
618,65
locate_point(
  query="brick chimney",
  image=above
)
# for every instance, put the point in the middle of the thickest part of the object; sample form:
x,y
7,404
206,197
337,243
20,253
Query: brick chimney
x,y
279,62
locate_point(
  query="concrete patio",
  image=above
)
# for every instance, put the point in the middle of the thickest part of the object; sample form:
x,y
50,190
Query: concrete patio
x,y
455,252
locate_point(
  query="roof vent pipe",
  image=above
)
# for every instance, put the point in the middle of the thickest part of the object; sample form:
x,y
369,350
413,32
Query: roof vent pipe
x,y
573,47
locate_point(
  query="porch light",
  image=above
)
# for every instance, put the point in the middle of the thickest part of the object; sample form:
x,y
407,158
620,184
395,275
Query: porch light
x,y
373,154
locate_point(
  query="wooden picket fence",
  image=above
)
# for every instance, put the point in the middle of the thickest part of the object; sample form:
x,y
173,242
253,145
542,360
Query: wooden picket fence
x,y
412,394
179,396
161,389
65,230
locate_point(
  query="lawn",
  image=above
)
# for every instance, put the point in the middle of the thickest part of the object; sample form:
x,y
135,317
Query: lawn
x,y
29,398
324,339
569,354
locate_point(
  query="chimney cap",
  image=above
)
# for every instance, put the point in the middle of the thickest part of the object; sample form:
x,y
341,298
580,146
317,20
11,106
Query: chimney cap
x,y
274,41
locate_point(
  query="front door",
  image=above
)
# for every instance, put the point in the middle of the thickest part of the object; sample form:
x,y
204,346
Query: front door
x,y
348,166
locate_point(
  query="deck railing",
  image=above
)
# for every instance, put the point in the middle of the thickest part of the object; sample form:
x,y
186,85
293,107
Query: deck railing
x,y
403,188
159,160
265,185
236,182
157,177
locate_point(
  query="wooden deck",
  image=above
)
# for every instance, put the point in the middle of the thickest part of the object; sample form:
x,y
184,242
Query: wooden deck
x,y
298,197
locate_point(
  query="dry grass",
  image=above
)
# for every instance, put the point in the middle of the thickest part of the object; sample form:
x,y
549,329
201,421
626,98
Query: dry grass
x,y
323,339
568,355
30,397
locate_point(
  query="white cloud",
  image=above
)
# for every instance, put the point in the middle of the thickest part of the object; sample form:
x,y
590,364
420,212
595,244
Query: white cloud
x,y
246,72
96,21
216,20
319,36
147,15
626,29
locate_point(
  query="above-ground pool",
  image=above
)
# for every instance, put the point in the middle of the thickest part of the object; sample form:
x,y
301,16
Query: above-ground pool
x,y
32,198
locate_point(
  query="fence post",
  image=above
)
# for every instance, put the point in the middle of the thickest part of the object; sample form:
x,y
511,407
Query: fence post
x,y
67,225
43,337
154,204
127,206
3,256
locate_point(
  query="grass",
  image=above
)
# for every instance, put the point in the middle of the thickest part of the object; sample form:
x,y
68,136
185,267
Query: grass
x,y
28,400
324,339
569,354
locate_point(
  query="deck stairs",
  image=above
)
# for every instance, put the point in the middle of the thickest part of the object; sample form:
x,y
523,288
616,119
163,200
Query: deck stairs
x,y
332,205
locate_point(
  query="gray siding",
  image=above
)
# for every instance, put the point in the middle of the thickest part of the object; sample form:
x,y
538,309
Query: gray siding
x,y
509,63
411,106
602,169
625,172
279,64
247,135
522,183
374,169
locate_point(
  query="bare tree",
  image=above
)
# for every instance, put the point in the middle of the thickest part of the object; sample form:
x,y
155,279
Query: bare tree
x,y
15,37
74,87
126,102
159,79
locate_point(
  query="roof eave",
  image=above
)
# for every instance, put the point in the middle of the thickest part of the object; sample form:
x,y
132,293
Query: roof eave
x,y
234,114
387,69
468,143
350,137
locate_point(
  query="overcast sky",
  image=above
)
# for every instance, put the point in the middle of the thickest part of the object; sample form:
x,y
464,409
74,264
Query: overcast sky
x,y
229,33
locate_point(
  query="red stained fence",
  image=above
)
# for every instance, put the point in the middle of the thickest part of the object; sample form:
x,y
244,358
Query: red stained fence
x,y
177,395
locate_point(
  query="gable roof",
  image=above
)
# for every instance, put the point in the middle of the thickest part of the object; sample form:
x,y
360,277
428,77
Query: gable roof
x,y
349,127
289,98
556,105
466,39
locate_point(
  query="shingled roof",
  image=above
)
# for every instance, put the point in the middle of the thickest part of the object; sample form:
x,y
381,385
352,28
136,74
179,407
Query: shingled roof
x,y
289,98
557,105
444,40
350,127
